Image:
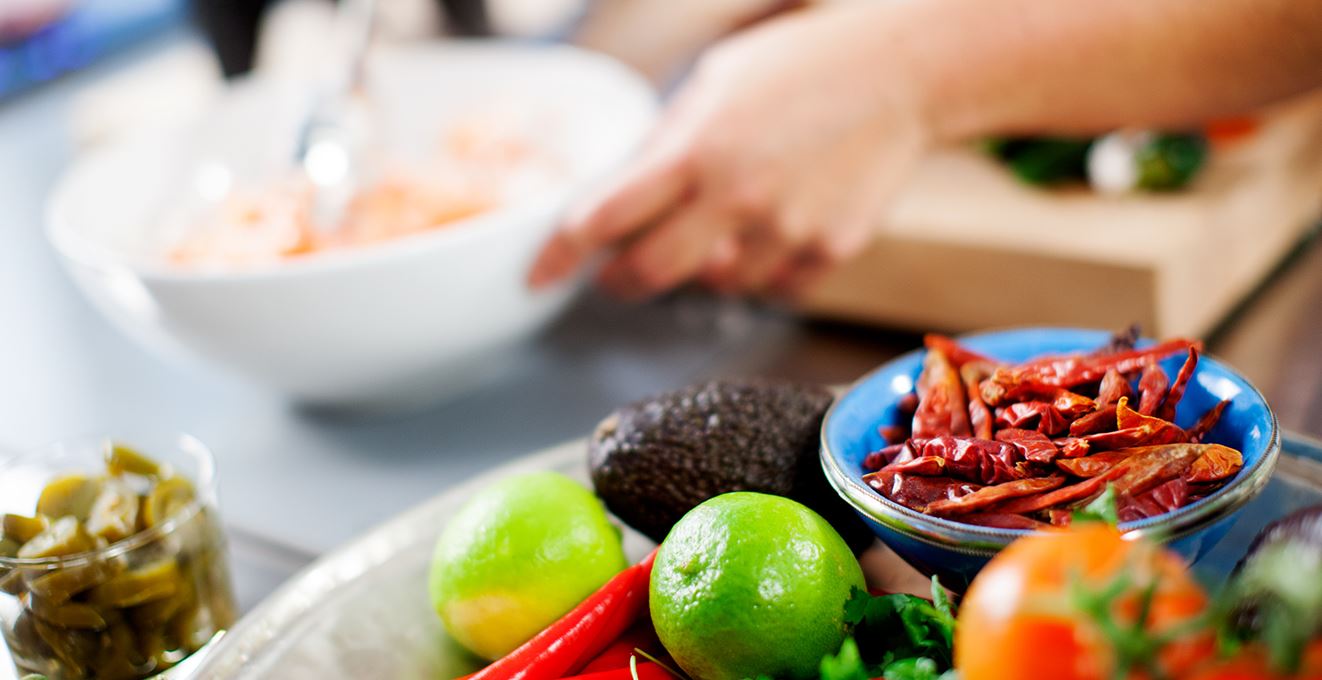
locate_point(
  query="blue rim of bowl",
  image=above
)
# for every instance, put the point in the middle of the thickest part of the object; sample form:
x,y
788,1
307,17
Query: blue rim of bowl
x,y
986,541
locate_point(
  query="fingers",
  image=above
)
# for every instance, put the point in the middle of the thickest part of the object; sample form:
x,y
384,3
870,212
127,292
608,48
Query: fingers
x,y
718,272
802,272
761,255
780,267
669,254
648,191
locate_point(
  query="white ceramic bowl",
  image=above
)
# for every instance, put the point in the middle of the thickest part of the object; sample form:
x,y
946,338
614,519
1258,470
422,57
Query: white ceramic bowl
x,y
413,318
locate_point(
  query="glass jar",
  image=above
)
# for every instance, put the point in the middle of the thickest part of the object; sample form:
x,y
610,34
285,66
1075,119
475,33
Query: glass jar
x,y
128,609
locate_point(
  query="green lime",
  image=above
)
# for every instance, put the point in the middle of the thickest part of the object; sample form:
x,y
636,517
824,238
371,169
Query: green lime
x,y
748,584
519,555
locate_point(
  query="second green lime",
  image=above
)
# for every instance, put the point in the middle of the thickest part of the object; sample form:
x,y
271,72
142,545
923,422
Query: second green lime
x,y
749,585
519,555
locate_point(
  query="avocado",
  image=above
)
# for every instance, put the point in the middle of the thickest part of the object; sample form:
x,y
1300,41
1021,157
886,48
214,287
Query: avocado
x,y
654,460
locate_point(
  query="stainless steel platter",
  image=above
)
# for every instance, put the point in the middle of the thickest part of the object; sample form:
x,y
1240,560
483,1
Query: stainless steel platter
x,y
362,611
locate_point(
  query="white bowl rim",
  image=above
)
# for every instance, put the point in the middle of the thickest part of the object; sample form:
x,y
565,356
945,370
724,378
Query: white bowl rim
x,y
66,240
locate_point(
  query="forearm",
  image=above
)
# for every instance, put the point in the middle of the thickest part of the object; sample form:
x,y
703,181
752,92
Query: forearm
x,y
979,67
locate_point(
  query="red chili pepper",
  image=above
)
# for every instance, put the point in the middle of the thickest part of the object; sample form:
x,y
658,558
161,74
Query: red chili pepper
x,y
1155,501
942,409
1152,387
640,636
1001,520
1071,405
1135,429
1114,385
1207,422
1176,393
977,460
1043,374
568,644
1065,494
988,496
1073,447
957,353
980,417
1023,414
887,455
893,434
1160,431
1095,422
1033,445
916,491
1217,463
1149,466
649,670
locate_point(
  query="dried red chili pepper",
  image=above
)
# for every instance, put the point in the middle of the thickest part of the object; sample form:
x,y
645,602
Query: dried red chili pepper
x,y
1217,463
1069,371
1117,439
1094,465
885,456
1171,495
1207,422
1003,477
1071,405
1154,465
1114,385
915,491
977,460
1156,501
1152,387
927,466
957,353
1001,520
942,409
1072,447
1033,445
1028,413
1073,493
893,434
1161,431
1095,422
980,417
1176,393
988,496
1135,429
907,405
1137,467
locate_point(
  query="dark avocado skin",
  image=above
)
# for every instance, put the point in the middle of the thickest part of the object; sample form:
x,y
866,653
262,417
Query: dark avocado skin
x,y
654,460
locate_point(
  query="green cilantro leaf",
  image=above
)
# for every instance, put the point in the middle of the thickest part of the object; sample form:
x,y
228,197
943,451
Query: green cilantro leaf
x,y
1101,509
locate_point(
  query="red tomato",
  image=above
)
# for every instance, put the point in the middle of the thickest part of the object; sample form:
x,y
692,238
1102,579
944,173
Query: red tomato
x,y
1023,617
1252,664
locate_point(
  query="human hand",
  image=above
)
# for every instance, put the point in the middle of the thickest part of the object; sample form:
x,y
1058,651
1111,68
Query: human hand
x,y
773,163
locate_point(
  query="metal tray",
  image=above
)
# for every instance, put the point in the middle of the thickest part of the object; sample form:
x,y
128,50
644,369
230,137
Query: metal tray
x,y
363,610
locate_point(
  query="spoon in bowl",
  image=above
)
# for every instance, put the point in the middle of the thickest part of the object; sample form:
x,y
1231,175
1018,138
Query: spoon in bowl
x,y
333,133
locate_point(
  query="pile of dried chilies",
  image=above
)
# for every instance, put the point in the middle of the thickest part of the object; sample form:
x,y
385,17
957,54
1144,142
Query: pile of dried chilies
x,y
1021,446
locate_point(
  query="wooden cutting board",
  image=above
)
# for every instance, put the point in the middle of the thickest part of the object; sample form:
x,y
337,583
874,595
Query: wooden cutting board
x,y
968,246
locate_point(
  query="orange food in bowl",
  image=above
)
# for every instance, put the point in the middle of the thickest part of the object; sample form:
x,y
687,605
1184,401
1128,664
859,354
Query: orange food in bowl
x,y
474,170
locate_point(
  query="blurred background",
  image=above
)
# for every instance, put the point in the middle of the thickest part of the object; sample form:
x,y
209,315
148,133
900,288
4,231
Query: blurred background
x,y
112,110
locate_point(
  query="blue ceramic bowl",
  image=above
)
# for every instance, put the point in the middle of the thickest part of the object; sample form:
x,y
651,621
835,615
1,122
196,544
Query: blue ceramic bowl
x,y
955,551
